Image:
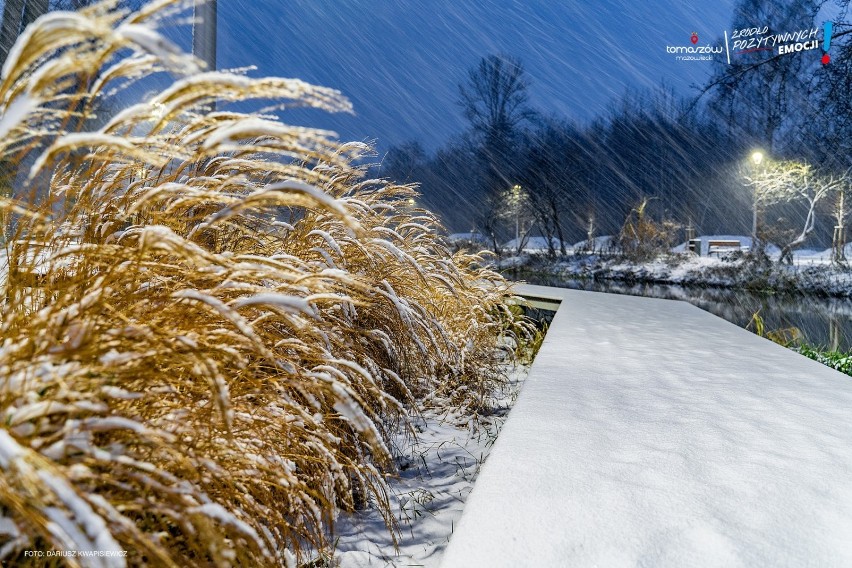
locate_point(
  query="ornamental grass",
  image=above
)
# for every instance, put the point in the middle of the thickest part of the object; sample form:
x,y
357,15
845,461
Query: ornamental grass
x,y
213,321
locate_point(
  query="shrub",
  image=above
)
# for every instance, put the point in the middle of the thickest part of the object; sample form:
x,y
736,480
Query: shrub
x,y
837,360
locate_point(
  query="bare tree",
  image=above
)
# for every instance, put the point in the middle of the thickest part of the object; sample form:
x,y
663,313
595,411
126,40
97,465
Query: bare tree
x,y
552,162
761,97
403,163
495,101
518,211
794,182
840,213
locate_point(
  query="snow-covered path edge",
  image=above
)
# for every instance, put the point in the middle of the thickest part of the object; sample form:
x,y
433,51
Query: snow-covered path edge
x,y
651,433
437,473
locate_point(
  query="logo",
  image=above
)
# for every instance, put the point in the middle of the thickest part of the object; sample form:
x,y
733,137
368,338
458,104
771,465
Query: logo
x,y
826,42
694,52
750,40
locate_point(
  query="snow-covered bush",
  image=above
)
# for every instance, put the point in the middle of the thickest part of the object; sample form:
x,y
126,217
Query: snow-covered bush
x,y
642,238
837,360
212,319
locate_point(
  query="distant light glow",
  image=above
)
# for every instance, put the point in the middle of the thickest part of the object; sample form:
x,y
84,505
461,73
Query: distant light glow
x,y
757,157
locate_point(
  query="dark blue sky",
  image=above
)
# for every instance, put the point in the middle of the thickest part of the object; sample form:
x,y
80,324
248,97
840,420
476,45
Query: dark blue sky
x,y
400,61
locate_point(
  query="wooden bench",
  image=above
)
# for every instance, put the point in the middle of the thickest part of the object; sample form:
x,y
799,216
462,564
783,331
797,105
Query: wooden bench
x,y
721,247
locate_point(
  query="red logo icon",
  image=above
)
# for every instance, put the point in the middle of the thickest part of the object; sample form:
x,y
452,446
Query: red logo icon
x,y
694,38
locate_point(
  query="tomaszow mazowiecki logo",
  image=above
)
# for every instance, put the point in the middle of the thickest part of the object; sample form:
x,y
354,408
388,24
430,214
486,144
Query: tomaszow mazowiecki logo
x,y
746,41
694,52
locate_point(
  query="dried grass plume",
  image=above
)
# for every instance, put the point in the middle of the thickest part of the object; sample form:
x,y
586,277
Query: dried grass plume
x,y
212,320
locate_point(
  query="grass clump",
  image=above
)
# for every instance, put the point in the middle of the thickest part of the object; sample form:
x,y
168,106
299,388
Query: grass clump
x,y
212,320
791,337
837,360
786,336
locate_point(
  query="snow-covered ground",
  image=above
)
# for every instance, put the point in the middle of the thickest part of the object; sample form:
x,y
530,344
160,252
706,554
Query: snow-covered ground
x,y
472,237
811,272
598,244
437,471
536,244
664,436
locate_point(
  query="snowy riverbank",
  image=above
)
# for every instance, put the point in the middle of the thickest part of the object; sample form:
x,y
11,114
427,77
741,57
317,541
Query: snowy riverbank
x,y
808,274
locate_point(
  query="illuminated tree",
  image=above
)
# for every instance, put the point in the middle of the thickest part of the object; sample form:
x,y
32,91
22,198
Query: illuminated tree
x,y
794,182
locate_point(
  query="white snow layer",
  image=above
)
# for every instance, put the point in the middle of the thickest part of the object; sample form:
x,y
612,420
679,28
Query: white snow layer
x,y
534,244
437,472
651,433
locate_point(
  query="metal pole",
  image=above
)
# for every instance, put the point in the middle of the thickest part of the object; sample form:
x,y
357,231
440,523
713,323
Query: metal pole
x,y
12,13
33,9
754,221
754,244
204,32
517,228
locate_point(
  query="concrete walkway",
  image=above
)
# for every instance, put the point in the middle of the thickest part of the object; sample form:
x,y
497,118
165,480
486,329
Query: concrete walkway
x,y
651,433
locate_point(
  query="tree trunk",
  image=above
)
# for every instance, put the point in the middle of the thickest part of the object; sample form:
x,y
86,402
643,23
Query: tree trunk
x,y
787,251
838,241
495,246
542,216
557,228
838,252
561,240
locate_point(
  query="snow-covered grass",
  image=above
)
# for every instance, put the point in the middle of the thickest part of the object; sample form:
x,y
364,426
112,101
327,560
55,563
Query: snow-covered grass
x,y
213,324
437,470
837,360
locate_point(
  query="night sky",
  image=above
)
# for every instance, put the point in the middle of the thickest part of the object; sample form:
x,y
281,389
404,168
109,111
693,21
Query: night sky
x,y
400,61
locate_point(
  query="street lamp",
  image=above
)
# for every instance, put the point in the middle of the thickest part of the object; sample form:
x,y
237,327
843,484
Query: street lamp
x,y
757,158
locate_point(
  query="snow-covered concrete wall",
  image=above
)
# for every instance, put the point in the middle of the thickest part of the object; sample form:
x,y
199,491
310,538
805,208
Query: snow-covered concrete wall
x,y
651,433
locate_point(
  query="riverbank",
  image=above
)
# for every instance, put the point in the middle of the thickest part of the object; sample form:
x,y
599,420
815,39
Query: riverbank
x,y
740,272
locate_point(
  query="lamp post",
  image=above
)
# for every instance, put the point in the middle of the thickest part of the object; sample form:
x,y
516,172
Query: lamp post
x,y
757,159
516,202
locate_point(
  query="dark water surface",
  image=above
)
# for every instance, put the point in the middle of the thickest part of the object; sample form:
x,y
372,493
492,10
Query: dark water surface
x,y
824,322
